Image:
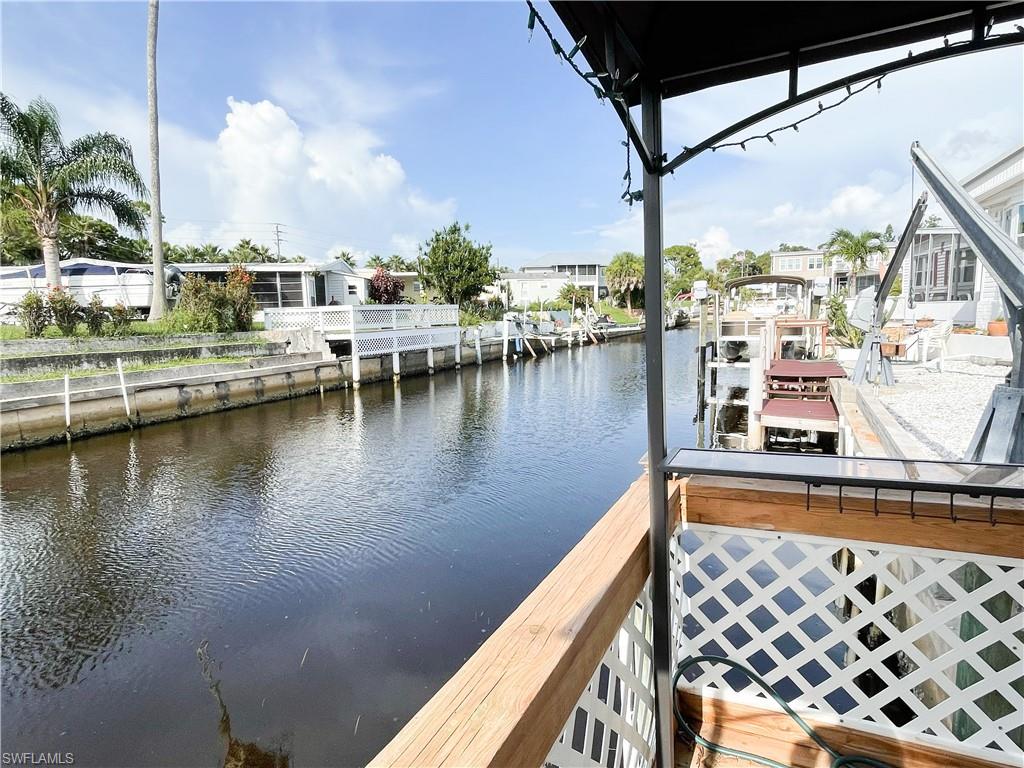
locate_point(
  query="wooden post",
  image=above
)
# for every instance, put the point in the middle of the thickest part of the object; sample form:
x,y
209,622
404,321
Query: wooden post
x,y
124,390
458,350
430,360
504,337
67,406
396,366
479,355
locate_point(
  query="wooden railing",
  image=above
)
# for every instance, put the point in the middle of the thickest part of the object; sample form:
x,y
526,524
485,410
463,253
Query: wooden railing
x,y
895,637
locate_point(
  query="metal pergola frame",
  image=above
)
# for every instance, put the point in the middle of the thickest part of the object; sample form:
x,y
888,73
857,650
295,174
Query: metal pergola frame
x,y
622,83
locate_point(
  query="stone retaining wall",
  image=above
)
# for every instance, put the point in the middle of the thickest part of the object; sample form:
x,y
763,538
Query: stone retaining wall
x,y
85,360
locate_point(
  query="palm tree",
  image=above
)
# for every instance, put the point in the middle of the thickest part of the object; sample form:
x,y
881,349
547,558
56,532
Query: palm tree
x,y
346,257
376,261
48,179
158,305
855,250
396,263
625,274
211,253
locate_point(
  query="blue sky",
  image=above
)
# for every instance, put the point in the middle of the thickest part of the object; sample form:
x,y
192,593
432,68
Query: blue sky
x,y
365,126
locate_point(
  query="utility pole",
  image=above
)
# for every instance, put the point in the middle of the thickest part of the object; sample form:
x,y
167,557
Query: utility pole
x,y
277,239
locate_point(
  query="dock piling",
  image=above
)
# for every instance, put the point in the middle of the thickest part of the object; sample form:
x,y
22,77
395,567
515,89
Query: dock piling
x,y
124,390
396,367
67,405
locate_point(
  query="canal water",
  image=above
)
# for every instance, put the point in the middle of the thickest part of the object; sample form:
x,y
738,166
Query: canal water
x,y
298,578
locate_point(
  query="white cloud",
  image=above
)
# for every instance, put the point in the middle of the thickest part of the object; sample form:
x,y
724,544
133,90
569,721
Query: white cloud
x,y
325,174
715,244
849,167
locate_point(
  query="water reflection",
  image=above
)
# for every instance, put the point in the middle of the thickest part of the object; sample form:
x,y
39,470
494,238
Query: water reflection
x,y
238,753
387,530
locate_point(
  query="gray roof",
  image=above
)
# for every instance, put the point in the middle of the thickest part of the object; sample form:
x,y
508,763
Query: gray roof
x,y
534,275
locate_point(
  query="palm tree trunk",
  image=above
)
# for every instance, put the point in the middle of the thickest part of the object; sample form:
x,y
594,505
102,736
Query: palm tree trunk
x,y
629,301
51,258
158,306
851,287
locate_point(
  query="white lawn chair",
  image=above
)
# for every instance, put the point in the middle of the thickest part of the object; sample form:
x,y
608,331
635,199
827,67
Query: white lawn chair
x,y
932,343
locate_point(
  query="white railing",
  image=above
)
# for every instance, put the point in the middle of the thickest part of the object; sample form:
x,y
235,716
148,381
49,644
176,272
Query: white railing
x,y
375,343
882,638
347,318
613,722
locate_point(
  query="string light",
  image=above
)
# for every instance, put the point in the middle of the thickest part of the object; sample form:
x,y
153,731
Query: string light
x,y
592,79
618,91
822,108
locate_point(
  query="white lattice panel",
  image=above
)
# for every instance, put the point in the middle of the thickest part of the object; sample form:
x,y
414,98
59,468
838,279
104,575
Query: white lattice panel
x,y
399,316
920,642
317,318
612,725
387,342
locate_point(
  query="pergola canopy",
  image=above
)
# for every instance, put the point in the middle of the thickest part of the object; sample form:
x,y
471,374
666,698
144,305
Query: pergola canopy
x,y
686,47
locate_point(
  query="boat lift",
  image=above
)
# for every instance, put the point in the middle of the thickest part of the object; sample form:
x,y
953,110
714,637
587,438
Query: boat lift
x,y
999,436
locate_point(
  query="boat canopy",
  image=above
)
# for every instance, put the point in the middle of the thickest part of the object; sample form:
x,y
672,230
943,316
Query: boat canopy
x,y
740,282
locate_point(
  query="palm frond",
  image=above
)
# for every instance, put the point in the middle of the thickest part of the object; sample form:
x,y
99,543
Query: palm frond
x,y
114,201
98,169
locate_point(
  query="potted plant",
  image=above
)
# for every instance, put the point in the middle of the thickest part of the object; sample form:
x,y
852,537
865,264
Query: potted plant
x,y
998,327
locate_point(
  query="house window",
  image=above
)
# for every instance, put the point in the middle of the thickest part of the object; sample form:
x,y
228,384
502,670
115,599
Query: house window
x,y
352,290
815,262
291,289
790,264
264,289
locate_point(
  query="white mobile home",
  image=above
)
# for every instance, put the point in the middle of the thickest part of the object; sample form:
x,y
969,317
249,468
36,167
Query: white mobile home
x,y
115,282
288,284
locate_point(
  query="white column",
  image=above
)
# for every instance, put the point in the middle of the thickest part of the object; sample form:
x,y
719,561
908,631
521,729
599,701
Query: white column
x,y
67,404
430,360
458,349
396,366
355,362
479,355
504,338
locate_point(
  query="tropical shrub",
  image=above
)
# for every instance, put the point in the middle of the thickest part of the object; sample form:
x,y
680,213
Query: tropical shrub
x,y
95,315
385,288
64,310
208,307
202,308
238,293
839,327
33,314
120,320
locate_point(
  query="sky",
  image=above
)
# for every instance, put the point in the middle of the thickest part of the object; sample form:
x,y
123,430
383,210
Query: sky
x,y
366,126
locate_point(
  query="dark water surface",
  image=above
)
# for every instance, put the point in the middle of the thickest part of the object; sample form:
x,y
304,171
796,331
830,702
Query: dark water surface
x,y
342,557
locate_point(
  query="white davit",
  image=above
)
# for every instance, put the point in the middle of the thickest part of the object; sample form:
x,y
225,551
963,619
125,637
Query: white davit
x,y
114,281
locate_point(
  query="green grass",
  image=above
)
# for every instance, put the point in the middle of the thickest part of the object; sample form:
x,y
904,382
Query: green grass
x,y
181,362
138,328
617,314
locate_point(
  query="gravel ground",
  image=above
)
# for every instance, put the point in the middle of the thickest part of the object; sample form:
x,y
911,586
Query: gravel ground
x,y
942,409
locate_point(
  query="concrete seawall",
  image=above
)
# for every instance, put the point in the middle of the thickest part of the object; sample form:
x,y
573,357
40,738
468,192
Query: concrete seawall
x,y
40,419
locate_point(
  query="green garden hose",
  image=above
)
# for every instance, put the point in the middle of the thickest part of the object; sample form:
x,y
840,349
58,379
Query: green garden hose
x,y
838,760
